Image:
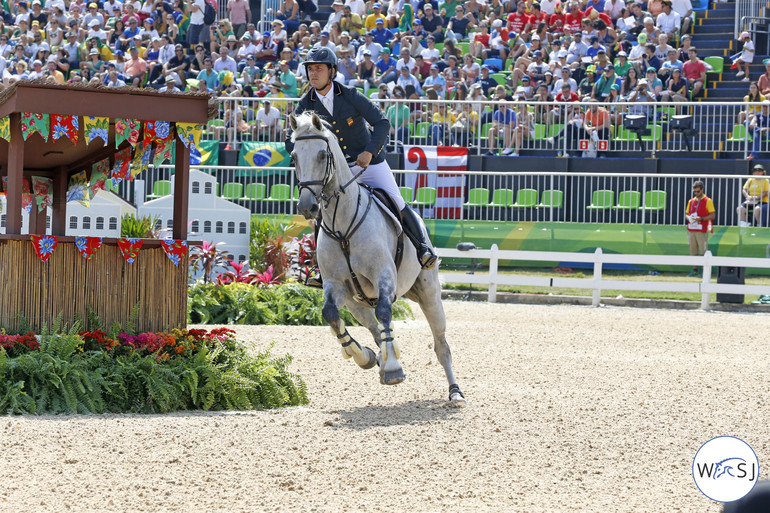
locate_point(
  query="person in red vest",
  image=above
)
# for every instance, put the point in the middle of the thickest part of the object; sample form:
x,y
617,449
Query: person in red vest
x,y
700,214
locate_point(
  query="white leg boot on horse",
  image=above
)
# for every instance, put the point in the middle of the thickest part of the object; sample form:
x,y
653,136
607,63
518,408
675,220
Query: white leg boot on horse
x,y
391,372
362,355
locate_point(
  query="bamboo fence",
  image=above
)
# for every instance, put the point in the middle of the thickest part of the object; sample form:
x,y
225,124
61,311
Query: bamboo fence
x,y
68,283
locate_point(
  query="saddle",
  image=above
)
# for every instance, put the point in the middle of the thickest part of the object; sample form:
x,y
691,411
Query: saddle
x,y
390,209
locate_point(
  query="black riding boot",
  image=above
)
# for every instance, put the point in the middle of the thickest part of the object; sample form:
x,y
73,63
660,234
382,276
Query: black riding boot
x,y
413,227
313,277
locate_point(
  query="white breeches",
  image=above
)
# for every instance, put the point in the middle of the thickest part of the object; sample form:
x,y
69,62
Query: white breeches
x,y
380,176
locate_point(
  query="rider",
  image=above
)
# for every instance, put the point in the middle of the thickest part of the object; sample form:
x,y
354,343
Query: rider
x,y
346,109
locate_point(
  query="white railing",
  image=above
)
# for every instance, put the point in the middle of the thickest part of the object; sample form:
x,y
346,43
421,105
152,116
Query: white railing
x,y
633,198
745,11
706,286
716,127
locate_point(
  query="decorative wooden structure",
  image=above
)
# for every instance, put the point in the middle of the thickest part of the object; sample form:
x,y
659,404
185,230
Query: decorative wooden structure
x,y
67,284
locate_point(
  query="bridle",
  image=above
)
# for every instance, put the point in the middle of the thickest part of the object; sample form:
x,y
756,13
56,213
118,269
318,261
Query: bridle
x,y
330,163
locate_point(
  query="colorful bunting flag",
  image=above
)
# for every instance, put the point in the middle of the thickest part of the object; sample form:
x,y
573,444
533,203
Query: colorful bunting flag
x,y
32,122
189,133
43,194
64,126
176,250
129,248
78,189
156,131
141,161
5,128
127,130
122,164
99,175
164,150
44,245
87,246
26,194
96,128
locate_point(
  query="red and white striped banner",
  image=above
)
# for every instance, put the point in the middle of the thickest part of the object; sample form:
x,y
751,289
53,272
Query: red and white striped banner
x,y
449,186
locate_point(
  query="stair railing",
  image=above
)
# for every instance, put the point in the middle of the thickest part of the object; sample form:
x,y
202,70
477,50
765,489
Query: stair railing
x,y
744,10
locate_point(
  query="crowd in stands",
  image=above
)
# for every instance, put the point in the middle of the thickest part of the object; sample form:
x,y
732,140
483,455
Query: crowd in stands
x,y
576,51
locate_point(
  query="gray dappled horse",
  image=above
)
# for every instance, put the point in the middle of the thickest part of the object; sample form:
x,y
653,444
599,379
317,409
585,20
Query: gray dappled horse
x,y
355,251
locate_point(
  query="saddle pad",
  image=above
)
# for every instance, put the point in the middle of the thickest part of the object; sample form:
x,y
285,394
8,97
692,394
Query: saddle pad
x,y
386,204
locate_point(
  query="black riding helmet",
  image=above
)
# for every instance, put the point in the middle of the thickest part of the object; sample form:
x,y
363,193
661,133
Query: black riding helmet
x,y
322,56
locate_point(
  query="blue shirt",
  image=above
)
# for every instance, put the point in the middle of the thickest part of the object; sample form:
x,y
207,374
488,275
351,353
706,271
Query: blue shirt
x,y
383,67
593,52
438,79
459,26
382,36
505,118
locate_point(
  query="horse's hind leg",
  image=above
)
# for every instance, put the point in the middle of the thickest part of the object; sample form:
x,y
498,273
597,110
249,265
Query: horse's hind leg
x,y
427,293
333,297
391,372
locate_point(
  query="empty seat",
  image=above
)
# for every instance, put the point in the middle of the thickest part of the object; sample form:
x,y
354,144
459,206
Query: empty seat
x,y
654,200
551,198
477,198
254,192
629,200
406,193
502,198
232,191
602,200
525,198
280,192
159,189
425,196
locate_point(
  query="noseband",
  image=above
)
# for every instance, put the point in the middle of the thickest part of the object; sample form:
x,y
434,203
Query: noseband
x,y
327,174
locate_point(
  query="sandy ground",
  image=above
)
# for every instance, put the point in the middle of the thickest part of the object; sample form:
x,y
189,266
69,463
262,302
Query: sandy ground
x,y
570,409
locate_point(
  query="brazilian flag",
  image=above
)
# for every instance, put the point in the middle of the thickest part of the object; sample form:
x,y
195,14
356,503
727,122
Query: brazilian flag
x,y
207,153
263,155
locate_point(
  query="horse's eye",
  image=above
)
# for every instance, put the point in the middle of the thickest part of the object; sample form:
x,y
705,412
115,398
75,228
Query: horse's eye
x,y
321,156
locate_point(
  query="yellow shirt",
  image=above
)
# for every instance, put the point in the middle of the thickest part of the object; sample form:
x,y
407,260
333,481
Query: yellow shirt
x,y
371,21
754,109
758,187
448,117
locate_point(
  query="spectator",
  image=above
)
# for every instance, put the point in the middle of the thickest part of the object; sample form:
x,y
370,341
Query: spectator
x,y
398,115
422,70
649,60
755,195
335,16
371,20
227,63
699,215
760,125
135,69
615,108
638,51
641,95
622,65
746,57
654,84
267,124
663,48
471,70
669,65
457,28
288,14
629,83
267,51
684,9
113,79
542,112
480,42
380,34
170,86
754,96
443,119
577,50
525,127
351,22
613,9
435,82
196,31
365,73
586,86
385,68
431,53
464,126
375,49
559,113
676,87
669,21
208,75
764,80
518,21
409,83
451,72
694,71
684,48
503,124
605,82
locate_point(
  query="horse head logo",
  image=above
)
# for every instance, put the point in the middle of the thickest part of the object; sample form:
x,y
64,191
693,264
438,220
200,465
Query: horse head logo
x,y
723,467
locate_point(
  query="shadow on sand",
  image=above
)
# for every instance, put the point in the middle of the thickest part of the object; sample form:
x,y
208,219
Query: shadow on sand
x,y
408,413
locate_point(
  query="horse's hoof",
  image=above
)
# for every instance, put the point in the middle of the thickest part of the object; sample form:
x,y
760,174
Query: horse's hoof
x,y
392,377
458,401
371,362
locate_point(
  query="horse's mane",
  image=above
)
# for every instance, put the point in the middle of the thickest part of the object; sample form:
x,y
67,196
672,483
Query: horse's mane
x,y
305,126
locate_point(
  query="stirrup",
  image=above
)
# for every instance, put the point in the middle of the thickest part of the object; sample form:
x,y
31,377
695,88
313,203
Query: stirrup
x,y
313,278
428,258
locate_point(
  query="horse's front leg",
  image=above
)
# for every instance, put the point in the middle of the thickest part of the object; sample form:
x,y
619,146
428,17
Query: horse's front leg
x,y
333,298
391,372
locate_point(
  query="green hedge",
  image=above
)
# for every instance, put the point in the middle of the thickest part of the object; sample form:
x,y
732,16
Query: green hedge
x,y
290,303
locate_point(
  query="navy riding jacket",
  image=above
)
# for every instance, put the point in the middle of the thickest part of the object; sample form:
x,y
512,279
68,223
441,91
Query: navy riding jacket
x,y
351,110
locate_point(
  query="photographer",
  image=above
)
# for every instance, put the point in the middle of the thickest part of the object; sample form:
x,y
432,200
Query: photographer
x,y
640,95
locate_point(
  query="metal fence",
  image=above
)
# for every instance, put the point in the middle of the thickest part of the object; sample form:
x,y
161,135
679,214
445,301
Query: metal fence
x,y
542,128
496,196
745,11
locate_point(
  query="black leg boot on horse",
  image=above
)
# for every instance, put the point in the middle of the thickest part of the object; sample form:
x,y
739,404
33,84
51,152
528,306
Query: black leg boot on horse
x,y
413,227
313,276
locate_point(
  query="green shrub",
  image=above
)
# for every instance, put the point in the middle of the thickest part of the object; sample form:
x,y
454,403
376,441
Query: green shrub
x,y
290,303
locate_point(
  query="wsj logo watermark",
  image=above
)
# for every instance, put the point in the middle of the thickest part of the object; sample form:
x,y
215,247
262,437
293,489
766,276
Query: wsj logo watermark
x,y
725,469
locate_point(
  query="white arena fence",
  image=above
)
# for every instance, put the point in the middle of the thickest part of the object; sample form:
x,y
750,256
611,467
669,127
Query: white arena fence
x,y
715,127
635,198
596,283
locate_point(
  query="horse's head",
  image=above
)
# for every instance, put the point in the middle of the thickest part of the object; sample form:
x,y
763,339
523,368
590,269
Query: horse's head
x,y
314,161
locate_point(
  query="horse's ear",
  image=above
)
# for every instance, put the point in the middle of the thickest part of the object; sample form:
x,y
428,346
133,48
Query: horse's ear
x,y
293,122
317,122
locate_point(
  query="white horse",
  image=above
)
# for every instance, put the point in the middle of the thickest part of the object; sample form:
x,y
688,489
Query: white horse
x,y
355,252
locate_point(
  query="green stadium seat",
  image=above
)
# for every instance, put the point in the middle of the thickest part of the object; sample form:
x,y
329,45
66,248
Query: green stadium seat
x,y
554,129
654,200
602,200
502,198
232,191
499,78
280,192
254,192
421,129
551,198
525,198
407,193
629,200
425,196
295,197
159,189
477,198
740,134
541,131
717,64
